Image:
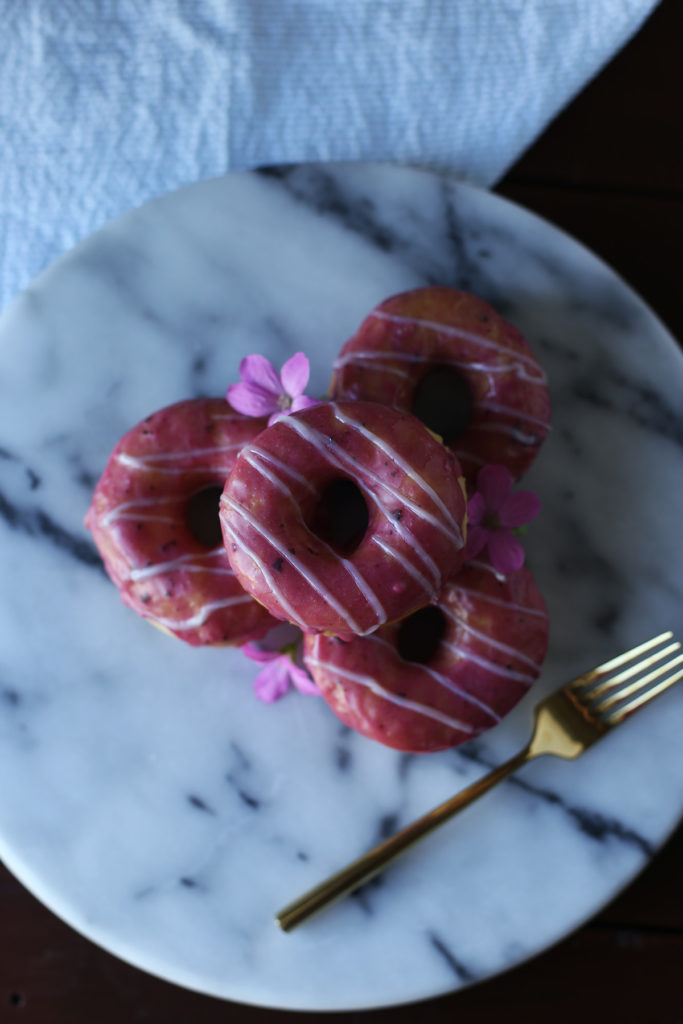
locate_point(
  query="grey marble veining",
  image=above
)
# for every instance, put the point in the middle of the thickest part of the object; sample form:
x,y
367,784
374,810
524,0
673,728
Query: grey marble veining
x,y
155,804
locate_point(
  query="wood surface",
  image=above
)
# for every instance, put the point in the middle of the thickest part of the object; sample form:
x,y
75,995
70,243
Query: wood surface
x,y
609,170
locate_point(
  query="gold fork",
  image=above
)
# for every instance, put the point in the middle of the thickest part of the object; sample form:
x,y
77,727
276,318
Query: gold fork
x,y
567,722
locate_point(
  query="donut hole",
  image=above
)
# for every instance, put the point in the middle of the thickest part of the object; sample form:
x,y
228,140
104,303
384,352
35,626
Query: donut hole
x,y
420,634
202,518
340,517
442,400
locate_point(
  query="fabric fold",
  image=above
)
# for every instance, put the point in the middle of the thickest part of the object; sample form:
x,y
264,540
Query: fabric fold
x,y
103,106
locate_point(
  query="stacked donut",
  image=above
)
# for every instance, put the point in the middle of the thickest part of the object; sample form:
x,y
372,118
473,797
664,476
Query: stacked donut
x,y
349,519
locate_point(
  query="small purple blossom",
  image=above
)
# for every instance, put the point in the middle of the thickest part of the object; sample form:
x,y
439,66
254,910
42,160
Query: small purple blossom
x,y
494,512
264,392
279,672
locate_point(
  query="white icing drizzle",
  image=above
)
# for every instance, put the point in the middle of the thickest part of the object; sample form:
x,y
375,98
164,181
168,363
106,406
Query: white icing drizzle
x,y
366,590
486,567
292,615
504,428
393,698
211,563
488,370
406,565
149,463
445,681
188,563
313,581
273,470
200,617
143,517
505,410
128,510
409,470
272,460
415,546
498,601
490,666
232,417
516,413
497,644
442,680
342,460
378,359
458,332
467,456
361,583
277,483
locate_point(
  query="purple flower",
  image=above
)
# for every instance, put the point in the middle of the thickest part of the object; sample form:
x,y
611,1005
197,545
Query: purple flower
x,y
493,513
264,392
279,672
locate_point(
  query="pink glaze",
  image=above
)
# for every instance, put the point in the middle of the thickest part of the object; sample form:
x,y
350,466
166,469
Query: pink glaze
x,y
410,334
138,518
495,640
416,508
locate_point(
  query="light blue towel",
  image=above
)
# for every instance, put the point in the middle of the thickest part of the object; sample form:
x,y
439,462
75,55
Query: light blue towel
x,y
107,103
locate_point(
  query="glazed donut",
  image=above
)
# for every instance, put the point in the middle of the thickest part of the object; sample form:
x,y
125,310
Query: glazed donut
x,y
445,674
449,358
161,548
341,517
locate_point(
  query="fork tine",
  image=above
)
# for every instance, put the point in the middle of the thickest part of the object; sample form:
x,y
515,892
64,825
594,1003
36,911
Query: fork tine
x,y
613,711
607,684
621,659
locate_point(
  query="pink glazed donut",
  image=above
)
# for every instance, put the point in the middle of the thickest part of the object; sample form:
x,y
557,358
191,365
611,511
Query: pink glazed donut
x,y
450,359
154,520
344,516
445,674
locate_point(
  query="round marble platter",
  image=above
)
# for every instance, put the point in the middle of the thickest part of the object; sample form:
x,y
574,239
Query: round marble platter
x,y
148,797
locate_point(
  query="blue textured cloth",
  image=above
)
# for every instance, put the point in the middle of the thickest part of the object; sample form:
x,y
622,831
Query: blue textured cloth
x,y
106,104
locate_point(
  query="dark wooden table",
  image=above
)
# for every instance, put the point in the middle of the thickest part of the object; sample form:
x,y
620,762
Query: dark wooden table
x,y
610,171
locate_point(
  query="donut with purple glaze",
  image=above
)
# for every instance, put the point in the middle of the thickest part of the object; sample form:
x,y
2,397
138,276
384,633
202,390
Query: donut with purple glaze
x,y
154,520
444,675
450,359
344,516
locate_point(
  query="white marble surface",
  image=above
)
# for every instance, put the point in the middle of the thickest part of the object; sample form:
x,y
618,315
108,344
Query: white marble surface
x,y
149,799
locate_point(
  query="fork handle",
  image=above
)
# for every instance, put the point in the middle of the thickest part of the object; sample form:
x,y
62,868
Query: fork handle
x,y
370,864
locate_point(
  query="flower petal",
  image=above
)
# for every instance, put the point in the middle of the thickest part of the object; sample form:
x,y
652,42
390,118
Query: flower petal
x,y
294,374
272,682
494,483
505,552
302,681
477,537
303,402
250,399
258,370
258,654
476,507
278,415
519,508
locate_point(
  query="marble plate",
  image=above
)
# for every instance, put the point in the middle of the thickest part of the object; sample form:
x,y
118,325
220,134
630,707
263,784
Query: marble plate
x,y
148,798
